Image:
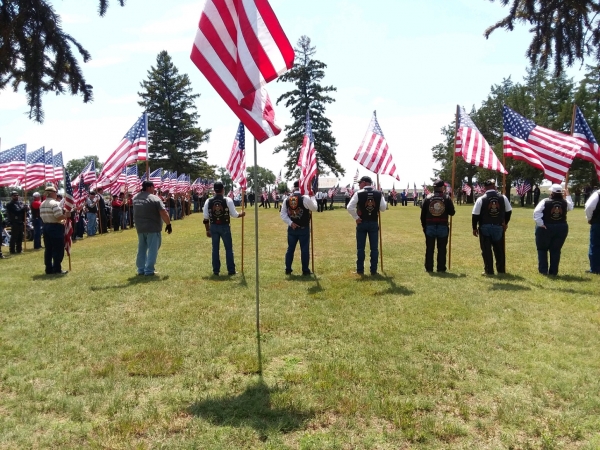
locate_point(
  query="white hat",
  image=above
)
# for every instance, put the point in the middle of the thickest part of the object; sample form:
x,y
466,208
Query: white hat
x,y
556,189
36,194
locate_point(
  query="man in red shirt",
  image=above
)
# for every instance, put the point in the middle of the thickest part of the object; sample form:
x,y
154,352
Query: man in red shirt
x,y
37,221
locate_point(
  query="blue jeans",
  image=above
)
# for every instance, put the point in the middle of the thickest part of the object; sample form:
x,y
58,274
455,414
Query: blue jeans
x,y
363,230
490,239
54,242
91,224
223,232
550,240
594,251
148,245
37,232
436,234
301,235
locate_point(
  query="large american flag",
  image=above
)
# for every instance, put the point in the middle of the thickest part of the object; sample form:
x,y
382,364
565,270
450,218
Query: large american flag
x,y
356,175
236,165
156,178
48,166
12,165
545,149
374,153
279,179
130,149
35,171
589,149
307,160
240,47
466,188
88,174
473,147
59,170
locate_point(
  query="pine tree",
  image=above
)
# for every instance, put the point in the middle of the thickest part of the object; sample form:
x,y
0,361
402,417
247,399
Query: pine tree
x,y
172,119
35,51
308,95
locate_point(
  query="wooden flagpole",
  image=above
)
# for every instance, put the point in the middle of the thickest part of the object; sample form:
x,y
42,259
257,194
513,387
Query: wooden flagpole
x,y
257,294
68,218
25,221
379,220
452,188
572,131
243,218
312,243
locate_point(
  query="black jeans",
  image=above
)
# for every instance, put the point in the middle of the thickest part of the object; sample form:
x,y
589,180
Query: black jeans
x,y
16,237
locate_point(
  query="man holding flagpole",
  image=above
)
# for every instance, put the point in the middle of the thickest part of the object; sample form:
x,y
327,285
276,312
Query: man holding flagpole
x,y
364,207
54,232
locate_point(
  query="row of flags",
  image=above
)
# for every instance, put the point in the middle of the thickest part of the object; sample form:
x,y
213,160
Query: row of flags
x,y
30,169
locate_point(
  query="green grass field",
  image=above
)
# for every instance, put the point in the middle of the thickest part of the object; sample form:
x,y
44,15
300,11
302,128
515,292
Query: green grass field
x,y
103,359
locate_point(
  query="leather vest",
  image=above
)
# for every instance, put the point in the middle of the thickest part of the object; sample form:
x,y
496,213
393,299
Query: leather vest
x,y
492,209
555,211
368,205
296,210
218,211
436,209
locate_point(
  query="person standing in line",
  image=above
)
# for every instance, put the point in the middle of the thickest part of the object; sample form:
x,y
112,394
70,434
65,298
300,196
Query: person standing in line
x,y
491,214
103,229
17,216
276,200
592,214
2,234
551,228
365,206
91,205
117,210
150,213
319,198
54,232
217,213
295,212
437,207
577,196
37,221
536,195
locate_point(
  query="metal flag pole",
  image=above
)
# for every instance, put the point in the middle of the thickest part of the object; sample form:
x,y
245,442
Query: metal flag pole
x,y
256,262
379,220
25,221
243,218
452,192
572,131
69,217
312,244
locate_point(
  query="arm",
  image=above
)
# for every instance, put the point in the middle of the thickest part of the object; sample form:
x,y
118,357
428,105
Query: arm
x,y
424,214
284,215
206,221
382,204
538,214
309,202
475,224
570,204
590,206
352,207
232,211
165,217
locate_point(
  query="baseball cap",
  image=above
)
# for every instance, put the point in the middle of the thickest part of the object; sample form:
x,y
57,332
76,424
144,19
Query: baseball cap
x,y
556,189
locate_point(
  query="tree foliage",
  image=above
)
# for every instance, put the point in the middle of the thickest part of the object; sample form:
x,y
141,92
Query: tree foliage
x,y
545,99
172,120
264,178
564,31
308,95
36,52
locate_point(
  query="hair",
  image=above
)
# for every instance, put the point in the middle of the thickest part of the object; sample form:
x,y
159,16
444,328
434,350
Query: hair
x,y
296,184
146,185
218,186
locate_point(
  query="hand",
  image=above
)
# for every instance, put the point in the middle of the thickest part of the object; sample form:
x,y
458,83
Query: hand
x,y
293,226
542,226
243,213
475,232
208,233
169,229
358,221
505,227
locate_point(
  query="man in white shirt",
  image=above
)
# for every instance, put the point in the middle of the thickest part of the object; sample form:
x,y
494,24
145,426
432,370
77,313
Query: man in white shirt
x,y
592,214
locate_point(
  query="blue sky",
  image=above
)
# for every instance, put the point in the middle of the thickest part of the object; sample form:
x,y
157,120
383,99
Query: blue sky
x,y
413,62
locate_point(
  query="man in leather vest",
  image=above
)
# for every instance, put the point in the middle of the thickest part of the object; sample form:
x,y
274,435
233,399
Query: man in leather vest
x,y
437,207
551,228
491,215
295,212
217,212
592,213
364,207
17,216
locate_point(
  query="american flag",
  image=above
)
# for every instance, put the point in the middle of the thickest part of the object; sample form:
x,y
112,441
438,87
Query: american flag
x,y
426,191
88,174
236,165
156,178
35,171
240,47
545,149
57,162
466,188
132,179
183,183
523,188
69,197
393,192
415,193
68,235
356,176
473,147
374,153
166,181
307,160
479,188
81,194
131,149
12,165
48,166
589,149
173,182
279,179
274,195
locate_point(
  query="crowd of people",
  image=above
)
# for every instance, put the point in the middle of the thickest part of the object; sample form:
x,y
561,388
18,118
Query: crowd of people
x,y
148,209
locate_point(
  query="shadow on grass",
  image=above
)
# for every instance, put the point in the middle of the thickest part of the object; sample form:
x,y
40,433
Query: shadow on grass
x,y
394,288
509,276
447,275
508,287
252,408
131,281
576,278
317,287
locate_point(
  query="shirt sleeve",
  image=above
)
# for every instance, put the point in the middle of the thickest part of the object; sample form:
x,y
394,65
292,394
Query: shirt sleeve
x,y
232,211
284,214
477,206
538,213
570,204
507,205
352,206
382,203
205,210
590,205
309,202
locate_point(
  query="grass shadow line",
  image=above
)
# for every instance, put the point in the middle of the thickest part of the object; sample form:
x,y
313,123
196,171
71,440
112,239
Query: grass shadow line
x,y
508,287
576,278
134,280
252,408
447,275
394,288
